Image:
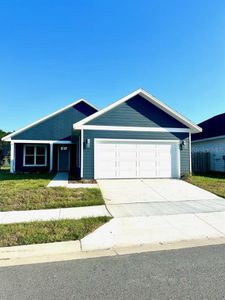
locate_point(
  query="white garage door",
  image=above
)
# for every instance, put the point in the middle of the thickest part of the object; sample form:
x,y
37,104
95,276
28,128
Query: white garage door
x,y
136,159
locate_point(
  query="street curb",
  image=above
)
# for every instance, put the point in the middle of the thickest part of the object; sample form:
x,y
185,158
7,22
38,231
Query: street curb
x,y
71,250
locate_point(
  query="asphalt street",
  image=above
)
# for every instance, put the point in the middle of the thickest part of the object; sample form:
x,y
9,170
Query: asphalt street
x,y
194,273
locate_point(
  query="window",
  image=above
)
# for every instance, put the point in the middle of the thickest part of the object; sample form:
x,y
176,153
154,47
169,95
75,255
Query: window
x,y
35,155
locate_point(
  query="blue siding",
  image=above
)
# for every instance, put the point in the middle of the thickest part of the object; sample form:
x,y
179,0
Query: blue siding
x,y
136,112
185,158
88,153
59,126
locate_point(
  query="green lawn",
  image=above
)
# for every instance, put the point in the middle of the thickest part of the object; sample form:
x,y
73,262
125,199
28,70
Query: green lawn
x,y
49,231
29,191
213,182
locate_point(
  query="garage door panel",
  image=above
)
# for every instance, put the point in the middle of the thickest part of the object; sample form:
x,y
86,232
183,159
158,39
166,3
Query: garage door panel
x,y
147,174
127,164
147,165
127,156
140,159
126,174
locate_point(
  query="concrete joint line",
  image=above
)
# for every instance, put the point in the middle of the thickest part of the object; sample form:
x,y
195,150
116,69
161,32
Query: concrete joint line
x,y
150,187
59,213
108,210
116,252
80,245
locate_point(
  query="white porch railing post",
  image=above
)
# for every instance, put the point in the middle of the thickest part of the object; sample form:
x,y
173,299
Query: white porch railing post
x,y
51,158
12,157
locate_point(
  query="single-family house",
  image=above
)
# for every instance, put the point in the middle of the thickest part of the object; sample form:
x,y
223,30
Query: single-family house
x,y
212,141
137,136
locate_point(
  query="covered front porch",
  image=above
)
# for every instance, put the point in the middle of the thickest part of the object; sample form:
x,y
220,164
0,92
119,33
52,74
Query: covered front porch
x,y
44,156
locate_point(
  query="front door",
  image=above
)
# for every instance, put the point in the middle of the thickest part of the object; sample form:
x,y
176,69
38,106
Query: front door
x,y
63,158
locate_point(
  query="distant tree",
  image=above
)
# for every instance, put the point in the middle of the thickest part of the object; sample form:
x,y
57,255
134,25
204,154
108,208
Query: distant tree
x,y
4,147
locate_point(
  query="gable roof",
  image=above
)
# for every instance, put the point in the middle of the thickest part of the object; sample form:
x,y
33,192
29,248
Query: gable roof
x,y
194,128
7,138
212,127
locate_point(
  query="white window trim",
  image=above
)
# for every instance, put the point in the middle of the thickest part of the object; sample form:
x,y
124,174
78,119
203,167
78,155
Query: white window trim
x,y
35,155
99,140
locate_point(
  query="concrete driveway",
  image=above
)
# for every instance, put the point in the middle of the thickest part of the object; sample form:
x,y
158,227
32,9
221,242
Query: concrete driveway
x,y
149,197
156,212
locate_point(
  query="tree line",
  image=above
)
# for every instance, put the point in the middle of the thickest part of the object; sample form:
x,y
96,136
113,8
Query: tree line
x,y
4,149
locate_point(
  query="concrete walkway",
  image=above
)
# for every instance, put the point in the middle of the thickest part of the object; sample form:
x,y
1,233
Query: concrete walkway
x,y
139,231
53,214
61,180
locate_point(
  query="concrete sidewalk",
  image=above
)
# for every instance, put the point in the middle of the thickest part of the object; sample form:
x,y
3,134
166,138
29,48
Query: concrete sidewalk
x,y
157,208
8,217
123,232
113,238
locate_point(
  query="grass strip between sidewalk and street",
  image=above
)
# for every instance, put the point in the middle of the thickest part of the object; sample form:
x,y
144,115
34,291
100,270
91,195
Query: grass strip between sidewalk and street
x,y
48,231
30,191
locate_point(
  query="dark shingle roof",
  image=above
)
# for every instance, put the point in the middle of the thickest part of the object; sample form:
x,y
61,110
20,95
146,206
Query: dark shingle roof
x,y
212,127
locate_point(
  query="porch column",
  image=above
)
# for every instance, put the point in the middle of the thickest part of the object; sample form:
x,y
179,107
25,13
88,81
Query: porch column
x,y
51,158
12,157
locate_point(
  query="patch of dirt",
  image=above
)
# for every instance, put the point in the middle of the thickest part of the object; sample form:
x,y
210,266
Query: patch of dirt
x,y
83,181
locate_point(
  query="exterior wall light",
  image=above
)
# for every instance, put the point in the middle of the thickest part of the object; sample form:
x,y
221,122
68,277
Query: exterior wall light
x,y
182,144
87,143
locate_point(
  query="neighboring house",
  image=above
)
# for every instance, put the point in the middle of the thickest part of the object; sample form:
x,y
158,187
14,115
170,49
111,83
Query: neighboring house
x,y
212,140
136,137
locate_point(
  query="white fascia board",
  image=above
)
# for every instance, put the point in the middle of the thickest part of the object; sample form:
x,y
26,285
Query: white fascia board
x,y
7,138
132,128
103,140
194,128
209,139
40,142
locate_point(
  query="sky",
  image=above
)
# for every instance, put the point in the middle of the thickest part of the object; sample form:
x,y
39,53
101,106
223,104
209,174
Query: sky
x,y
53,52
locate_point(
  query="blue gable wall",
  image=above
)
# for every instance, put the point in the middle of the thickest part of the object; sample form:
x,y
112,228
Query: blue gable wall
x,y
59,126
136,112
